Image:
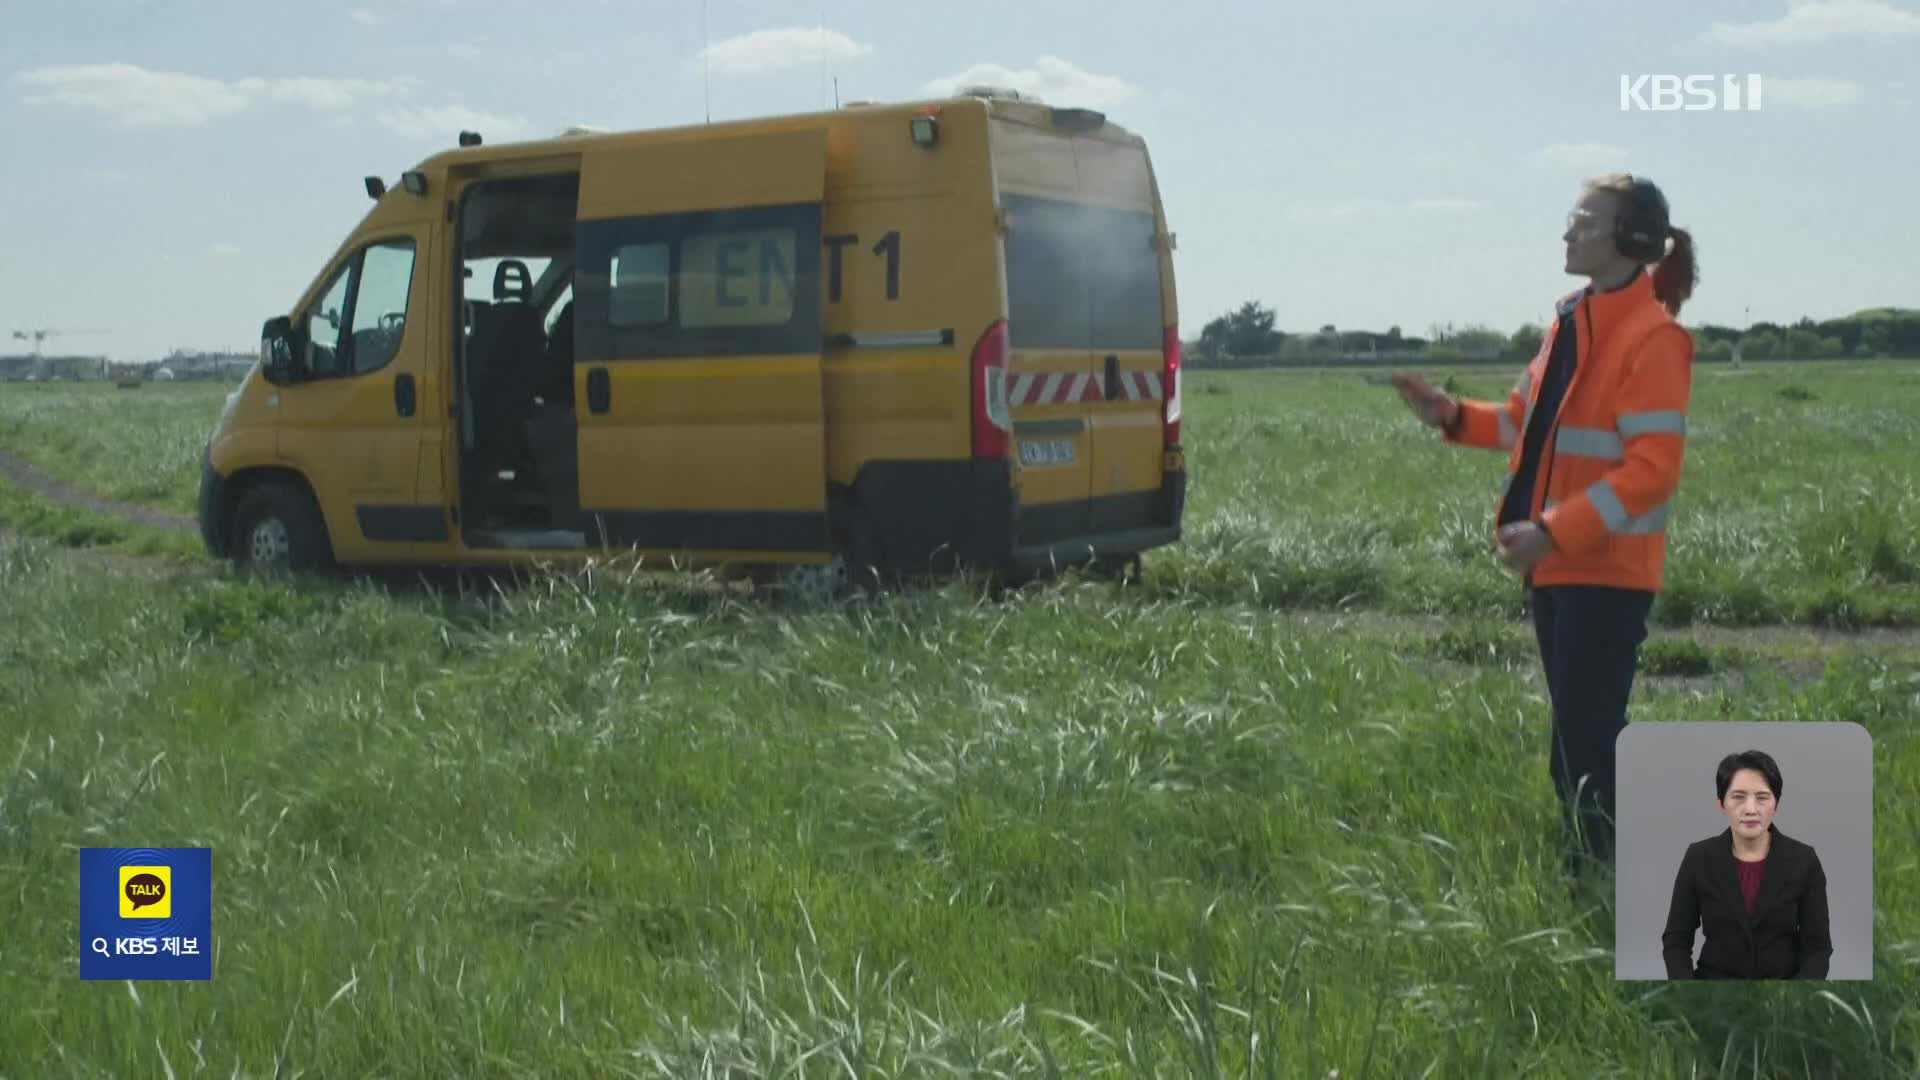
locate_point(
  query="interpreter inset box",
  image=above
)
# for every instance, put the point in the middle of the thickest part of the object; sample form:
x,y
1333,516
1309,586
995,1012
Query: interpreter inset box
x,y
1744,851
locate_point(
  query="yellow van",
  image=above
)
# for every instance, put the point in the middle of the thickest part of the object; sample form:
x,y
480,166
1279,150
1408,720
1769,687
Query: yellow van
x,y
883,339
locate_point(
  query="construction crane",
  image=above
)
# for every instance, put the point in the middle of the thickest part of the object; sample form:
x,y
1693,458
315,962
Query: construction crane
x,y
39,338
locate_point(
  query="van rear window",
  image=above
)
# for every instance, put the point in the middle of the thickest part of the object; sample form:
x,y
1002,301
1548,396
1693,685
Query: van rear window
x,y
1081,277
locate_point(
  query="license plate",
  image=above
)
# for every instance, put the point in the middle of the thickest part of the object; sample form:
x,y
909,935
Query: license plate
x,y
1046,451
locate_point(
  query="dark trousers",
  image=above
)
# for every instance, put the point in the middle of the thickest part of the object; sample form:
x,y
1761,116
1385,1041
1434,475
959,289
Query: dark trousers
x,y
1590,639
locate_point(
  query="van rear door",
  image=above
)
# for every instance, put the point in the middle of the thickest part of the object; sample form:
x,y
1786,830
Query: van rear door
x,y
1122,257
1089,306
1050,368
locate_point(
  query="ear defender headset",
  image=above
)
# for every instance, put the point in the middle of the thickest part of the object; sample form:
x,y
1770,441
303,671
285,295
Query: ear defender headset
x,y
1640,229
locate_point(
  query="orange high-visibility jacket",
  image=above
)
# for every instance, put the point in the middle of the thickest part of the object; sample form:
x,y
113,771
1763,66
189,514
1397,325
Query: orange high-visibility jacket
x,y
1611,465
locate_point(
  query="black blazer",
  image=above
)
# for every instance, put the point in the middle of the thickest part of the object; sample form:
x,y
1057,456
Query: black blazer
x,y
1787,937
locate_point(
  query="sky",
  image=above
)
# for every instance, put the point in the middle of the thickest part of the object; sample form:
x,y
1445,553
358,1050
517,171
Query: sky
x,y
176,172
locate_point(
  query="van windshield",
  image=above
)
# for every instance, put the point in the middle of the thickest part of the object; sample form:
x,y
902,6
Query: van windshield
x,y
1081,276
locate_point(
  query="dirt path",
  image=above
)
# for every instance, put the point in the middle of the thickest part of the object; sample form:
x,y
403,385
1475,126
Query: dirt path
x,y
31,477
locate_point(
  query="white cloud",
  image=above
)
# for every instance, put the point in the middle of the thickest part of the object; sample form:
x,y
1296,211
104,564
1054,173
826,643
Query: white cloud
x,y
366,18
448,121
764,51
1052,80
223,250
134,97
1812,93
1584,156
1817,20
1446,205
1341,210
322,93
1351,209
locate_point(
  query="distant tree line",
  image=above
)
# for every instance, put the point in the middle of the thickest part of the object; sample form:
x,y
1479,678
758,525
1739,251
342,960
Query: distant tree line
x,y
1249,337
178,364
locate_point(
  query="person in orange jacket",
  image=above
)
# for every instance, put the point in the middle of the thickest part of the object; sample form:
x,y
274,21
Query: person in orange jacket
x,y
1595,434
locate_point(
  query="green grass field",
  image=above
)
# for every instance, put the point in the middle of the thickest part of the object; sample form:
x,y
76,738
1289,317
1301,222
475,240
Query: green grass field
x,y
1316,489
140,446
1281,811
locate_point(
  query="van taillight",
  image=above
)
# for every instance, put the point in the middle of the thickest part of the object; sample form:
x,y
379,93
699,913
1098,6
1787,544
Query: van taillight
x,y
992,420
1170,388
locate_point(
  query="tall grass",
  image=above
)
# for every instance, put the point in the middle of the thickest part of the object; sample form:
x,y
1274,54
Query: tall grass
x,y
1317,489
613,825
139,446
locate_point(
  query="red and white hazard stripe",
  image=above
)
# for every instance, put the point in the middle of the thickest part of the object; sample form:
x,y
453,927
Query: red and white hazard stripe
x,y
1141,386
1068,387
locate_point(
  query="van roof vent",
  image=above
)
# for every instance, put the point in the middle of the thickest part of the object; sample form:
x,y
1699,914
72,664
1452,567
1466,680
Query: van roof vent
x,y
987,91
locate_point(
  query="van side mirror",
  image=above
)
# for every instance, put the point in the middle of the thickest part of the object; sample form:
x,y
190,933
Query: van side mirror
x,y
279,352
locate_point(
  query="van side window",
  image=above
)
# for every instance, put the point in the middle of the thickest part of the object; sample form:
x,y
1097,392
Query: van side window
x,y
639,296
380,304
327,325
739,282
357,325
742,278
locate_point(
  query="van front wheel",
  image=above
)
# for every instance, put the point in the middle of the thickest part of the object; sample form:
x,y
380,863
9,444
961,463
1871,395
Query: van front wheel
x,y
277,526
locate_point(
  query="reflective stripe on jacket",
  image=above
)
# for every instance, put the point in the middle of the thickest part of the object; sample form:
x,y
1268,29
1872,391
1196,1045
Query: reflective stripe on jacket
x,y
1611,466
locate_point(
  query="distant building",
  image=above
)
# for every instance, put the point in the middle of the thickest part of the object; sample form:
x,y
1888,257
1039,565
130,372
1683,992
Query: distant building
x,y
21,366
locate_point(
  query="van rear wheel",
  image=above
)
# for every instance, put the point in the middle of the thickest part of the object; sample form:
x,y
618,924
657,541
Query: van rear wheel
x,y
277,527
1126,569
852,570
859,554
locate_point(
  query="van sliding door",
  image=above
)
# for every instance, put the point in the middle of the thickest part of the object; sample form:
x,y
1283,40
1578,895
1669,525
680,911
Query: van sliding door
x,y
698,337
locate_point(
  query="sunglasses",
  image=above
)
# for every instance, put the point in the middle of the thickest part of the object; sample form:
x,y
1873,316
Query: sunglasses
x,y
1585,219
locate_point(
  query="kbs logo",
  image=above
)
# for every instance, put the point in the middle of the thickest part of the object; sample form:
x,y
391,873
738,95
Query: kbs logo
x,y
1690,93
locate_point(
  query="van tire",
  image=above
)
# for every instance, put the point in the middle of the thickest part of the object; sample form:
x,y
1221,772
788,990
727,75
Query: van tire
x,y
277,526
854,569
858,549
1123,569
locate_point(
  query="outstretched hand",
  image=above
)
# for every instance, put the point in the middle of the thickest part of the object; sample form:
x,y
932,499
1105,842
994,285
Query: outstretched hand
x,y
1431,404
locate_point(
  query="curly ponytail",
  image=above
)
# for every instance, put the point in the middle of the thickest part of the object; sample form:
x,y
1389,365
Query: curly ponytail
x,y
1677,273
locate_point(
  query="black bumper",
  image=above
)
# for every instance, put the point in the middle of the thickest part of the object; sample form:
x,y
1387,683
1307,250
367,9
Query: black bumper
x,y
1100,545
940,515
1170,502
211,483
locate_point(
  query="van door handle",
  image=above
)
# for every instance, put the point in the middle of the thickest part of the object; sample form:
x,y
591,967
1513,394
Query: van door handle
x,y
403,395
1113,377
599,390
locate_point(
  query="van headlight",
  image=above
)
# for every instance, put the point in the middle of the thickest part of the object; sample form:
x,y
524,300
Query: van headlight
x,y
226,412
